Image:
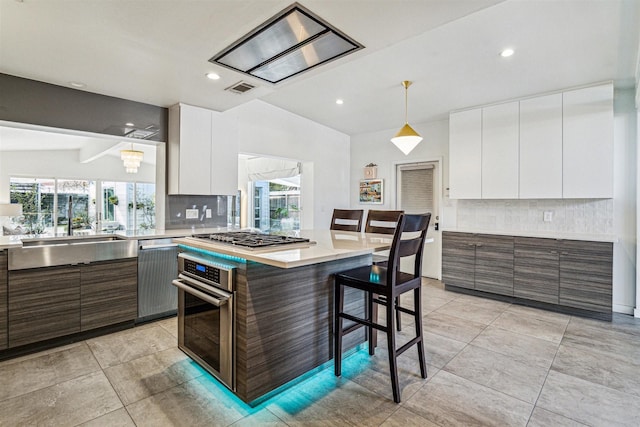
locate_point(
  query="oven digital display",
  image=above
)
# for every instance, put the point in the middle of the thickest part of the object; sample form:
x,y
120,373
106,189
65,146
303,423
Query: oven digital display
x,y
204,271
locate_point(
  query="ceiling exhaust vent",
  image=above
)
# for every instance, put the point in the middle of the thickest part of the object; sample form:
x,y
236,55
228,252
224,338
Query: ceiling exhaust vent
x,y
290,43
240,87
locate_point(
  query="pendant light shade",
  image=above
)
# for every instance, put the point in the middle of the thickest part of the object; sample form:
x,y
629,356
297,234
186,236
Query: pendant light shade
x,y
131,159
407,138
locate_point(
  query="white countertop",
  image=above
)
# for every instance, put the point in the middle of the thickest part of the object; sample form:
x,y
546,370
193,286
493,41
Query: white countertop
x,y
329,246
541,234
16,240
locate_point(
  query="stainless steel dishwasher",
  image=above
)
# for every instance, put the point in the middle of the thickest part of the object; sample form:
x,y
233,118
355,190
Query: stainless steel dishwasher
x,y
157,268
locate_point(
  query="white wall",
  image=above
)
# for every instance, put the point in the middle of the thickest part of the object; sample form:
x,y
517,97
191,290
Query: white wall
x,y
624,201
376,147
273,132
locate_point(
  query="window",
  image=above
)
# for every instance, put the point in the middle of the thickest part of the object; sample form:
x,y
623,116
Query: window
x,y
95,205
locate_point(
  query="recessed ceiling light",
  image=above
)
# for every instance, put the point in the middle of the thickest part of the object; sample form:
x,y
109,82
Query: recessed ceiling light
x,y
129,124
213,76
339,101
78,85
506,53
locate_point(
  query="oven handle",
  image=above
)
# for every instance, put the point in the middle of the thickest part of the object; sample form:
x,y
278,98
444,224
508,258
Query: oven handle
x,y
205,297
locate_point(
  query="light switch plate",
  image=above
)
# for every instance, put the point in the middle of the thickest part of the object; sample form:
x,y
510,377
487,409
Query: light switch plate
x,y
208,213
548,216
192,213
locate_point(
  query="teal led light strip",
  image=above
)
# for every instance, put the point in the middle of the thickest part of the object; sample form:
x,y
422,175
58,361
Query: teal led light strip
x,y
214,254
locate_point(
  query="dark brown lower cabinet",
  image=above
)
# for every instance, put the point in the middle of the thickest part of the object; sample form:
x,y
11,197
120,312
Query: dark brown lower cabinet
x,y
108,293
478,261
536,269
43,303
52,302
494,264
3,299
586,275
458,259
573,274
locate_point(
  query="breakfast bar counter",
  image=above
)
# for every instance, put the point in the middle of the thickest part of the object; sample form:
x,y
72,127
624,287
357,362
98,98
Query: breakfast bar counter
x,y
284,304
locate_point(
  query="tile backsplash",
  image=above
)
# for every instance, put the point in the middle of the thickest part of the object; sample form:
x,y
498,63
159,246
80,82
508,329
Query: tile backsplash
x,y
176,211
590,216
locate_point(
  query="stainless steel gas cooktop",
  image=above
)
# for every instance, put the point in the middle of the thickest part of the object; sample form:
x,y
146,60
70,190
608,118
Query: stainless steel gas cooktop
x,y
253,240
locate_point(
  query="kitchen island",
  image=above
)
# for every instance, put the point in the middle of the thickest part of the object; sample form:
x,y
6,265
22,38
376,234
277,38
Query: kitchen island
x,y
284,304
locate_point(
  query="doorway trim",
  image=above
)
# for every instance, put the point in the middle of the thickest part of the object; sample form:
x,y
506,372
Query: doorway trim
x,y
440,192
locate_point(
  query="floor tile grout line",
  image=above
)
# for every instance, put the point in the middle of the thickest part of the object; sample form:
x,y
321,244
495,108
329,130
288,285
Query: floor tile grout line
x,y
57,383
547,376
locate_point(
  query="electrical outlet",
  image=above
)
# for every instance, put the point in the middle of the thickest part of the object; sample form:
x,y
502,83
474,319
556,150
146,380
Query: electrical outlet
x,y
192,213
548,216
208,213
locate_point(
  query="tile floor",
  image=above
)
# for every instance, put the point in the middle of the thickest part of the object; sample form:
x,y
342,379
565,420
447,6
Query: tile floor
x,y
490,363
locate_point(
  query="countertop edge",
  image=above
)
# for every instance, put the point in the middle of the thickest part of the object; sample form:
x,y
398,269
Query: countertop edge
x,y
610,238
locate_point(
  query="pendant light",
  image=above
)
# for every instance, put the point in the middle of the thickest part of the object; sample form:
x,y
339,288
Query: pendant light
x,y
131,159
406,139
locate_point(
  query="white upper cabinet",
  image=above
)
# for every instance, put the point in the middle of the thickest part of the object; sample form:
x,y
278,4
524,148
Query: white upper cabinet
x,y
587,146
541,147
465,154
500,151
203,152
547,147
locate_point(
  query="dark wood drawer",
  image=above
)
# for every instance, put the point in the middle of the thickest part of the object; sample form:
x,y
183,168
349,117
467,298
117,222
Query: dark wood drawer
x,y
536,269
494,264
586,275
3,299
108,293
43,303
458,259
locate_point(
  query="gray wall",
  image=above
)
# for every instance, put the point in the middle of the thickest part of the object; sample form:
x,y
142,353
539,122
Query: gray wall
x,y
44,104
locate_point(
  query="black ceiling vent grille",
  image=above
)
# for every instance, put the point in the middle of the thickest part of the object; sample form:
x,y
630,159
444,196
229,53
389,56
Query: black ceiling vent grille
x,y
240,87
290,43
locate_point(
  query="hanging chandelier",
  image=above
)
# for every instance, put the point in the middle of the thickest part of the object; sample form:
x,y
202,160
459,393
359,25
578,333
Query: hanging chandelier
x,y
131,159
406,139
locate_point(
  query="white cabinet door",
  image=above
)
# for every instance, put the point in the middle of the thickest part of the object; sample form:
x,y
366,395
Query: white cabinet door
x,y
541,147
224,157
203,152
500,151
465,154
195,150
587,164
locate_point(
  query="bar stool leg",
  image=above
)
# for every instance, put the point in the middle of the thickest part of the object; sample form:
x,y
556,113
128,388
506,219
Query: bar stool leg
x,y
417,307
370,318
337,331
391,344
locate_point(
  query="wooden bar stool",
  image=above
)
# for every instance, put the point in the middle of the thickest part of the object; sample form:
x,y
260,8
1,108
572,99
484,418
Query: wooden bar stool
x,y
388,282
383,222
347,219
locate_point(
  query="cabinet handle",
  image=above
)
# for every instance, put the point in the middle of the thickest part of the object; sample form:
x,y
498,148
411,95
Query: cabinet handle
x,y
564,253
553,252
478,245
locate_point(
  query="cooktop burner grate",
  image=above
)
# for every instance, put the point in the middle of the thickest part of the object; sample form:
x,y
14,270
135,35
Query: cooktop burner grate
x,y
250,239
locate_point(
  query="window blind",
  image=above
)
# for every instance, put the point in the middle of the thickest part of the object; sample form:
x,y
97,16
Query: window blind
x,y
416,186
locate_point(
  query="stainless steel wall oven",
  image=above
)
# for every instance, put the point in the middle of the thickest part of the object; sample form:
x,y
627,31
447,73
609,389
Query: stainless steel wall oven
x,y
206,314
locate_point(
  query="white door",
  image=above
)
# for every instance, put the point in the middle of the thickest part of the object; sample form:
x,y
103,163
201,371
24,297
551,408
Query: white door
x,y
418,192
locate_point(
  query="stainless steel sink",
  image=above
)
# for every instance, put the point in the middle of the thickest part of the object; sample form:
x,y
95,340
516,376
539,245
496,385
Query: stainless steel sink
x,y
52,251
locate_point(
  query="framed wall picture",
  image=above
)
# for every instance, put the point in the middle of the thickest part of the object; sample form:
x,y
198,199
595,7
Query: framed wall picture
x,y
371,191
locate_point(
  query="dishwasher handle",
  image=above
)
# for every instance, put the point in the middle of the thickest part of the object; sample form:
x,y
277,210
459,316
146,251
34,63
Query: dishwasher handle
x,y
149,247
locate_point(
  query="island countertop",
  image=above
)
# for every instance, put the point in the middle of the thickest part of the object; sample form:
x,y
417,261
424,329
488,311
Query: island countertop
x,y
329,245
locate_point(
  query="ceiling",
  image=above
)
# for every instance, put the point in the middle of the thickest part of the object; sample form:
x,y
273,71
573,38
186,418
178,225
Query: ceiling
x,y
87,148
157,52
